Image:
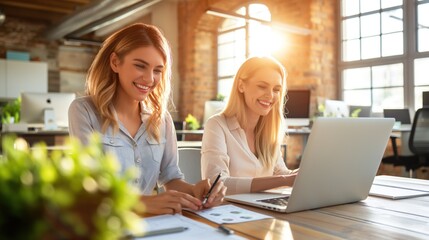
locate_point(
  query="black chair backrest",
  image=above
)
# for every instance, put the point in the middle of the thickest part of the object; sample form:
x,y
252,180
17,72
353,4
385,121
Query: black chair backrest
x,y
419,136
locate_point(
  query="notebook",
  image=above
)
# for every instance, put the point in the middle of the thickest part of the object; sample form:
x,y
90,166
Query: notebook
x,y
338,165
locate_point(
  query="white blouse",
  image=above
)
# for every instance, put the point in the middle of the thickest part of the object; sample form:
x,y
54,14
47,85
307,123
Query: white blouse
x,y
225,150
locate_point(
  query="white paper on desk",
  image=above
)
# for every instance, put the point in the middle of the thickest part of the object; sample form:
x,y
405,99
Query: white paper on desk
x,y
230,214
196,230
394,193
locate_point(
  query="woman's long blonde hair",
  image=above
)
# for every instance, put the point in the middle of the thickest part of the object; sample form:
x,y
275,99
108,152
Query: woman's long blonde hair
x,y
269,129
102,81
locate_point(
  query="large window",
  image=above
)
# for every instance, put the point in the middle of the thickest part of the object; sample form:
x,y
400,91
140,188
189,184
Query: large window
x,y
384,55
240,38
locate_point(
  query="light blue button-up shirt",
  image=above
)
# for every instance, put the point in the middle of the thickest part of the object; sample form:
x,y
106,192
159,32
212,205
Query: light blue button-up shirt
x,y
156,161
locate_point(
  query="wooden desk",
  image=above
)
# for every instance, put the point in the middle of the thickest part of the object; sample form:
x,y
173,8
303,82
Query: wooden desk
x,y
189,144
373,218
50,137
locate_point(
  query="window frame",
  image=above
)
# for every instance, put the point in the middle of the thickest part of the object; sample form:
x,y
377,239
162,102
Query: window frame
x,y
410,53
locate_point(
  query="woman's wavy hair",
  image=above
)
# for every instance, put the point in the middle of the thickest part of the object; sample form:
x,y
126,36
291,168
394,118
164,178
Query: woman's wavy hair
x,y
102,81
269,129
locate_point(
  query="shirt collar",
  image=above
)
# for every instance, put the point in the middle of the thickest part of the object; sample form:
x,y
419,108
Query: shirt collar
x,y
232,123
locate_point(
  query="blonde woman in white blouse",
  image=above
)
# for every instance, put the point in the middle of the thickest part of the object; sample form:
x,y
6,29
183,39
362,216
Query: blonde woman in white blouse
x,y
243,141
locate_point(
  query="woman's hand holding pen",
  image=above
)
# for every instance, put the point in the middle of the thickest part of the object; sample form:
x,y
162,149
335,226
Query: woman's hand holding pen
x,y
215,197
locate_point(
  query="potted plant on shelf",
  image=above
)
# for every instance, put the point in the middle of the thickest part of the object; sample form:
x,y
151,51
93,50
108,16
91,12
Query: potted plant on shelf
x,y
74,193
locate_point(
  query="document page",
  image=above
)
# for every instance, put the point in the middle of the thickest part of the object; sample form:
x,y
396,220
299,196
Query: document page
x,y
194,229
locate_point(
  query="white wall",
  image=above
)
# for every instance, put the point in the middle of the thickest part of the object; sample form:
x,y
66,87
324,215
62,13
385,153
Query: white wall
x,y
164,16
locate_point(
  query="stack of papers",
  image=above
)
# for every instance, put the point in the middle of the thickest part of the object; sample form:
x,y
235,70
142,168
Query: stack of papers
x,y
399,187
194,229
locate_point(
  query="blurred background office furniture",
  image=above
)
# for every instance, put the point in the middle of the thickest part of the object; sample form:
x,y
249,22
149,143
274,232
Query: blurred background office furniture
x,y
211,108
419,136
425,99
336,108
400,115
190,164
360,111
405,157
189,144
179,125
297,107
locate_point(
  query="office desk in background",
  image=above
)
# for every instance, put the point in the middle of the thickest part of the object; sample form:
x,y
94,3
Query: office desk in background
x,y
50,137
373,218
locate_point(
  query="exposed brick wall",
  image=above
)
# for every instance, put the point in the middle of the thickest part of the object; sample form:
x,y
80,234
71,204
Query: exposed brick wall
x,y
309,59
21,35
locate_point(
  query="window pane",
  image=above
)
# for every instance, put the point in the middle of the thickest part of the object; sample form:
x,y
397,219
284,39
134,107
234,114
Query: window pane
x,y
231,23
225,51
392,21
387,98
225,37
357,78
351,50
351,28
388,75
226,67
224,86
418,96
423,18
350,7
369,5
423,40
358,97
259,11
423,27
390,3
370,25
392,44
421,76
370,47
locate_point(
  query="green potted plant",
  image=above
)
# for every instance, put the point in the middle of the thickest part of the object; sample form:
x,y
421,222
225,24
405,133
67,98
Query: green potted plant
x,y
192,122
11,112
74,193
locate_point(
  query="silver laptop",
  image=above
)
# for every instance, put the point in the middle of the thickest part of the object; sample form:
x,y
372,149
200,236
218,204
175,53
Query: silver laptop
x,y
338,166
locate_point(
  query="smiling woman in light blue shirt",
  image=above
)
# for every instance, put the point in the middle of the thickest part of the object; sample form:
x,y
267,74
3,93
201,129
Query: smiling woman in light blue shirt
x,y
128,89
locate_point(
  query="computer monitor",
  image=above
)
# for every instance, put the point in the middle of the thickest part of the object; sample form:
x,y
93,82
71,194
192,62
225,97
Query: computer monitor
x,y
362,111
211,108
297,104
400,115
34,107
336,108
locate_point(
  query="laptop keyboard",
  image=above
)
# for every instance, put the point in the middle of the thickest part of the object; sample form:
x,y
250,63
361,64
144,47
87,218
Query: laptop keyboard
x,y
281,201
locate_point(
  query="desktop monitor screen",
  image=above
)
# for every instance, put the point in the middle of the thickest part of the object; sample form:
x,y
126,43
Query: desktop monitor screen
x,y
361,111
400,115
297,104
336,108
33,106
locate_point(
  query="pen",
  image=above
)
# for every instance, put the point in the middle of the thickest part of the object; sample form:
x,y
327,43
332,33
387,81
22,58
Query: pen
x,y
226,230
157,232
211,189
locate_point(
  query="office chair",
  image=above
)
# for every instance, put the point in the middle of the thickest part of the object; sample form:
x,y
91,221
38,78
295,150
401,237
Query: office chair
x,y
416,141
419,136
179,125
190,164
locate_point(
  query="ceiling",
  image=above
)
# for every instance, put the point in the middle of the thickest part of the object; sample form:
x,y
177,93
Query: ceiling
x,y
76,19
